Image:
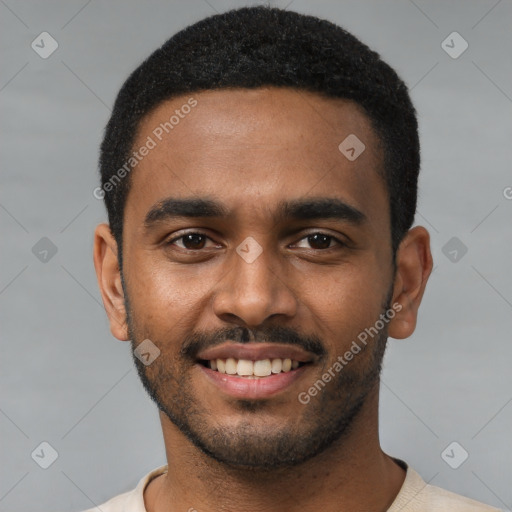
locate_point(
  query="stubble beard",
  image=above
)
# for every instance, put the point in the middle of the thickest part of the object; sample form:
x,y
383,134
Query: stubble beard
x,y
327,419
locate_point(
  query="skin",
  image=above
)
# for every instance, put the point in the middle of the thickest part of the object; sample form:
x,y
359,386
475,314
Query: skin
x,y
251,149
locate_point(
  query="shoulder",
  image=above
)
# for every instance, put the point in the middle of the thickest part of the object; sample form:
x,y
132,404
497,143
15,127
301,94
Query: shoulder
x,y
131,501
418,496
116,504
441,499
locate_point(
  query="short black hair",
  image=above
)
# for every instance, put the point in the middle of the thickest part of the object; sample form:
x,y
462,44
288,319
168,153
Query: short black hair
x,y
262,46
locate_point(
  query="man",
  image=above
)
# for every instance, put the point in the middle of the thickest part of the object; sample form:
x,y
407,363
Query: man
x,y
260,176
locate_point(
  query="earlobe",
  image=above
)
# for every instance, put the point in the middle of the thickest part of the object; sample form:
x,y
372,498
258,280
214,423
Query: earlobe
x,y
413,268
109,280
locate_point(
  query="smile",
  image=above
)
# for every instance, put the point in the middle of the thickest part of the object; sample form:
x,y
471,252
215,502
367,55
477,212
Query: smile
x,y
252,369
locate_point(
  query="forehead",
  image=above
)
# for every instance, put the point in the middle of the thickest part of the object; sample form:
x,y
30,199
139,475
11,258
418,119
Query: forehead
x,y
253,148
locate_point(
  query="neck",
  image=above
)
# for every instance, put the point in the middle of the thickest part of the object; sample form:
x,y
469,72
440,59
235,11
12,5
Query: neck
x,y
352,474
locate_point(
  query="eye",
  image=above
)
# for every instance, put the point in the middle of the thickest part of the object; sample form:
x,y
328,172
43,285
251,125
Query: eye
x,y
193,241
321,241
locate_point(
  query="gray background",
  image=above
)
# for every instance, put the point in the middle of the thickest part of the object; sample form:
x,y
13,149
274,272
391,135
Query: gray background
x,y
65,380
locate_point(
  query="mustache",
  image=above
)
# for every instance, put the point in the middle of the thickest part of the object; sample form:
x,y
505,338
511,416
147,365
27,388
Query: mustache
x,y
196,342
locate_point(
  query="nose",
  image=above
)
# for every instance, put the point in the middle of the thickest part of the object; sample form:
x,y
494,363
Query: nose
x,y
253,291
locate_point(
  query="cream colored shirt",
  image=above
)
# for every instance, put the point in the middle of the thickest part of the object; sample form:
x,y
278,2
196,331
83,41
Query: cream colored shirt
x,y
415,496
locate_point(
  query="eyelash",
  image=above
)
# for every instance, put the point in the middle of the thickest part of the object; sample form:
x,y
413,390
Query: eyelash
x,y
332,237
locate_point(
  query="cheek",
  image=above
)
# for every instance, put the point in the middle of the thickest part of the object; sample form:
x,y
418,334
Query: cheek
x,y
346,304
163,296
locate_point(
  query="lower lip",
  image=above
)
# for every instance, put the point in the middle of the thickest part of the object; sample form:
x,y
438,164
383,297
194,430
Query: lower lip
x,y
243,387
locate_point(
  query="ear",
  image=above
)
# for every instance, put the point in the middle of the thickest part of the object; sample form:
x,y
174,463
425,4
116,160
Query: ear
x,y
413,268
109,280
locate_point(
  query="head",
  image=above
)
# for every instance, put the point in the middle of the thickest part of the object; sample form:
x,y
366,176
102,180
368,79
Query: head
x,y
260,176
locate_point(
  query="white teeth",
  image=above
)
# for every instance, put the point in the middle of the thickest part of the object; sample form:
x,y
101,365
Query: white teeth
x,y
277,365
262,368
252,369
231,366
244,367
287,365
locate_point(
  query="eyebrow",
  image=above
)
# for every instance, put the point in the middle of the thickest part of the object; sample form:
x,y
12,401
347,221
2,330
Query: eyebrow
x,y
297,209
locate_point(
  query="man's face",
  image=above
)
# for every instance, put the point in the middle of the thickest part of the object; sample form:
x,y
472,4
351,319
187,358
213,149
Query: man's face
x,y
252,280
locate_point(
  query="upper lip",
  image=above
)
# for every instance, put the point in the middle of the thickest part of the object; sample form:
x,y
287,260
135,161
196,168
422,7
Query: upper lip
x,y
254,351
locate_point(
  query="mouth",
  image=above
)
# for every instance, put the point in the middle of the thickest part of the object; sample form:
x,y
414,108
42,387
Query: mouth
x,y
254,370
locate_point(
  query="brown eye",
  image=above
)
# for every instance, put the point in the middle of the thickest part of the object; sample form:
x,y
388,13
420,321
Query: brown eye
x,y
194,241
190,241
319,241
